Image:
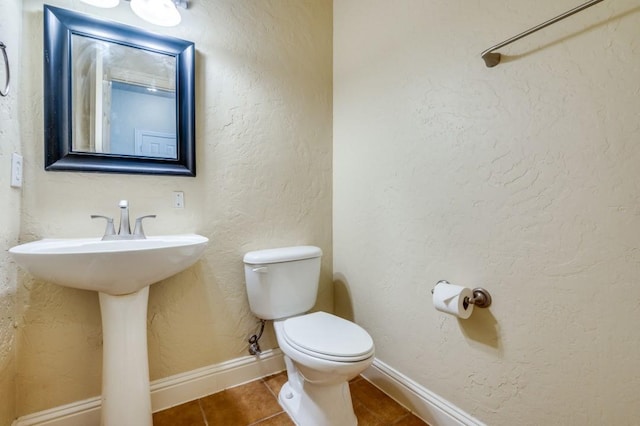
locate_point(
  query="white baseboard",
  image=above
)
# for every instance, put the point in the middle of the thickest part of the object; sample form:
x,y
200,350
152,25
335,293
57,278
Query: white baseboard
x,y
430,407
181,388
168,392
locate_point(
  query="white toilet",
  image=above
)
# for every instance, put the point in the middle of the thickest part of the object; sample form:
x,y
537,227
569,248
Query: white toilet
x,y
322,351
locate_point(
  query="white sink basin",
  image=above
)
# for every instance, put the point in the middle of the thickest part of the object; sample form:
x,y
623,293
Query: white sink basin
x,y
121,272
113,267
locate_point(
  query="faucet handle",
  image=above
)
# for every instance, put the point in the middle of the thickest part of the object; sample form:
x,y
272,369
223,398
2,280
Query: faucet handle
x,y
110,230
138,232
123,203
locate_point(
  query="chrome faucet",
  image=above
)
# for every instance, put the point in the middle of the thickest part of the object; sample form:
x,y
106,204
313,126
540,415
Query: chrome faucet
x,y
124,231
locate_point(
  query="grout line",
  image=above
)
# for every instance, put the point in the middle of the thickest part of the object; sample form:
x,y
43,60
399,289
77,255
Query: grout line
x,y
204,416
399,419
364,407
270,391
266,418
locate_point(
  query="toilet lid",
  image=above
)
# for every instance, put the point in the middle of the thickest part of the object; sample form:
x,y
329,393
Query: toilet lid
x,y
328,336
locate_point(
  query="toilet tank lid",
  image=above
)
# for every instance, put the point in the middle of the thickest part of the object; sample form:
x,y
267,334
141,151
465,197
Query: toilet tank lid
x,y
284,254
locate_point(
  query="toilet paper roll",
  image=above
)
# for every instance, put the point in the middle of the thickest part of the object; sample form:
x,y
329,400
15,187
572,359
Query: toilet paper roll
x,y
449,298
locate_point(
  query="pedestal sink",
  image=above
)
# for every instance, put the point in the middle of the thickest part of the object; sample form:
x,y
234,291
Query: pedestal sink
x,y
121,272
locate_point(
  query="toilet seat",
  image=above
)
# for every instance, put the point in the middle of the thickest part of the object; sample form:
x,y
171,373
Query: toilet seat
x,y
329,337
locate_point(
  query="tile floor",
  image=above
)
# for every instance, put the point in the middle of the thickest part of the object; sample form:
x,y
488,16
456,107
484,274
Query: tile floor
x,y
256,403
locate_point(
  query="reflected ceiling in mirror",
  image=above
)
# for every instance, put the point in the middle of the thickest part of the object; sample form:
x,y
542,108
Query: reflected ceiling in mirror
x,y
122,102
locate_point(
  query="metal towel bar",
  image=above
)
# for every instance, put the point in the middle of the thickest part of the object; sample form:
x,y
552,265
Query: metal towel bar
x,y
5,91
491,58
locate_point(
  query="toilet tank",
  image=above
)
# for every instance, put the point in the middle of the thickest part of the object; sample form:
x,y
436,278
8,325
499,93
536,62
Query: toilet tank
x,y
282,282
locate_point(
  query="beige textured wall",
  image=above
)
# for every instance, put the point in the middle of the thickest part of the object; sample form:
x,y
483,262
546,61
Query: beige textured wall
x,y
264,73
522,178
10,25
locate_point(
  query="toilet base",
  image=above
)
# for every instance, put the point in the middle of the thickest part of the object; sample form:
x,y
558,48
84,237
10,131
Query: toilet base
x,y
318,405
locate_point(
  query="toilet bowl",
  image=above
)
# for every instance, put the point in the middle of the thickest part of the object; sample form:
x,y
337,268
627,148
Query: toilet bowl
x,y
322,352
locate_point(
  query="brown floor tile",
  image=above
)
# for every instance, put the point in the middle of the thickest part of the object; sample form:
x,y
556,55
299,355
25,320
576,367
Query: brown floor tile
x,y
188,414
364,415
276,382
255,404
355,379
410,420
240,406
381,406
281,419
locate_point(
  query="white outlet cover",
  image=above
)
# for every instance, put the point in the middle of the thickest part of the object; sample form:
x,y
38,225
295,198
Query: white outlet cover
x,y
16,170
178,199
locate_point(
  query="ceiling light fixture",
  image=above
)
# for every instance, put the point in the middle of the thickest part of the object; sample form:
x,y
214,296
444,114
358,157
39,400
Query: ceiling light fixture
x,y
158,12
102,3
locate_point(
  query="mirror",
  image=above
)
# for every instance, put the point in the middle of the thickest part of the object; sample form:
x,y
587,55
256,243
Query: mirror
x,y
117,99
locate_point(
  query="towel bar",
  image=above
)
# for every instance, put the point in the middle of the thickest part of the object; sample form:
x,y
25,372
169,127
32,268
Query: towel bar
x,y
491,58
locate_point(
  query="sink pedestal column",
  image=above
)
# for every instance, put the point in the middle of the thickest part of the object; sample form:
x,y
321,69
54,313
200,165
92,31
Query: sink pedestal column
x,y
126,394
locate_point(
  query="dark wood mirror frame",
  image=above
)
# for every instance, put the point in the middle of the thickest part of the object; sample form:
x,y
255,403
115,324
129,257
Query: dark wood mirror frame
x,y
59,26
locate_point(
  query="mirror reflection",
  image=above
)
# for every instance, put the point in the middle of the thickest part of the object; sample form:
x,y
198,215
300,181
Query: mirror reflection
x,y
121,109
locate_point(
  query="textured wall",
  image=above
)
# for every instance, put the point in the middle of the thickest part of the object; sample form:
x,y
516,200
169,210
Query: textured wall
x,y
10,23
264,180
521,178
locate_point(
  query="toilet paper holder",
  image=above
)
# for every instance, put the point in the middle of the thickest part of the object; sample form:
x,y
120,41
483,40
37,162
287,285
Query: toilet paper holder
x,y
481,297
